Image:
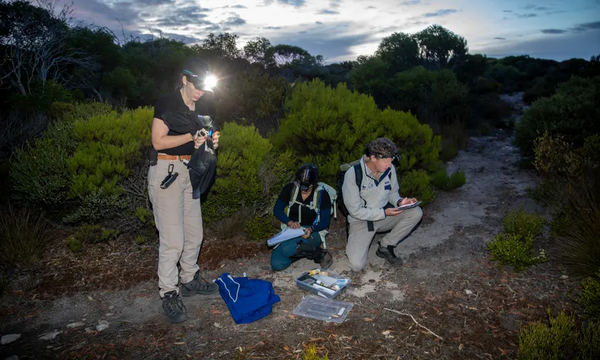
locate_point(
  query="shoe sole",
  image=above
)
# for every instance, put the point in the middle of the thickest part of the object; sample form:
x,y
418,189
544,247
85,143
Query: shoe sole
x,y
180,319
379,254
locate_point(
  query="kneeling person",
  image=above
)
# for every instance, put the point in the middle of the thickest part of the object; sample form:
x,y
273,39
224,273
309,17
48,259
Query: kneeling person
x,y
372,208
308,208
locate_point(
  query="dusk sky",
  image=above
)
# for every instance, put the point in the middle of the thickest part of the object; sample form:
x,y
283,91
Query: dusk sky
x,y
344,29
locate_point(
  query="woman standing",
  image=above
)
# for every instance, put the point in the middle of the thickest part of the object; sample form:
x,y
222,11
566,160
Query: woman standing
x,y
177,214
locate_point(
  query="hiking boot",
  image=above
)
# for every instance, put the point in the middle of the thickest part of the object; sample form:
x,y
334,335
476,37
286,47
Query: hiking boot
x,y
198,286
326,262
173,307
388,253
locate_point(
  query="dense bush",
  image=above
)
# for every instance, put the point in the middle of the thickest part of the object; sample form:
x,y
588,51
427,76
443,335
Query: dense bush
x,y
572,112
39,172
441,180
415,183
330,127
571,187
560,339
590,296
522,223
24,236
248,175
254,98
515,250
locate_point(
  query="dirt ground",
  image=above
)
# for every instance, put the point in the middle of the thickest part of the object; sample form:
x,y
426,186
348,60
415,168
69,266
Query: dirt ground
x,y
448,301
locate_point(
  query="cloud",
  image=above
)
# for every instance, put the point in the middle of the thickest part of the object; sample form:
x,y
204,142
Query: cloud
x,y
181,16
328,12
155,2
410,2
238,7
371,7
553,31
335,3
507,11
441,12
234,20
571,45
499,38
587,26
526,16
326,41
272,27
535,7
294,3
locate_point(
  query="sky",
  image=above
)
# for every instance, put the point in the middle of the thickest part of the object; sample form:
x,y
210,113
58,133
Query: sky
x,y
342,30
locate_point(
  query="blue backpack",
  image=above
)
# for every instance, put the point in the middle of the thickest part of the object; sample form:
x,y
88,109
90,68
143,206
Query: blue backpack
x,y
248,300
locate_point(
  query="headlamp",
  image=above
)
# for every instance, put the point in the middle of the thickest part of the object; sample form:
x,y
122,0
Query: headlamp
x,y
204,82
305,186
394,156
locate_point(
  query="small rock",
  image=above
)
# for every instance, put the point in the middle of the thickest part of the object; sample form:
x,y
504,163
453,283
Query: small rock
x,y
564,277
7,339
75,325
217,325
111,307
468,292
102,325
109,314
49,335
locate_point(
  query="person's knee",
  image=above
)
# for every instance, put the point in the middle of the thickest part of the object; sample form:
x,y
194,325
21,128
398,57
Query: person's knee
x,y
415,214
356,264
279,262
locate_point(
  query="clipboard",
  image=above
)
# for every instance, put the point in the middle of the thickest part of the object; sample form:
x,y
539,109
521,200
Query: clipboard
x,y
409,206
285,234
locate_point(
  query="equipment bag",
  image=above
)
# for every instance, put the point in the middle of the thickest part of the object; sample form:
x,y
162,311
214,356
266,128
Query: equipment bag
x,y
248,300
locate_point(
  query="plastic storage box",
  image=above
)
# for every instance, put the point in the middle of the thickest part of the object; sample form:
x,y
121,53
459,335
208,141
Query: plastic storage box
x,y
323,309
322,283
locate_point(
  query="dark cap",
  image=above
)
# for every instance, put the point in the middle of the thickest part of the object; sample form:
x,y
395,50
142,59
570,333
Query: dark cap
x,y
196,71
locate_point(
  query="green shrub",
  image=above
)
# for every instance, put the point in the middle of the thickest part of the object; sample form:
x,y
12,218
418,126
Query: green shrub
x,y
415,183
448,152
39,172
108,145
519,222
572,112
24,236
441,180
310,353
260,228
243,176
560,339
75,244
140,239
329,127
143,214
590,296
96,206
515,250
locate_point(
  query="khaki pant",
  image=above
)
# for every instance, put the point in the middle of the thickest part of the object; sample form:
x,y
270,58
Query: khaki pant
x,y
360,238
178,219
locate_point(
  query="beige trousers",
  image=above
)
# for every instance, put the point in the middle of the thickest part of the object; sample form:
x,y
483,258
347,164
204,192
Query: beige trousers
x,y
360,238
178,219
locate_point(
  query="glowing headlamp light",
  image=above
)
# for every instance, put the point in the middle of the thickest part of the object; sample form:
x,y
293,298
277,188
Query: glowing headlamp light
x,y
202,83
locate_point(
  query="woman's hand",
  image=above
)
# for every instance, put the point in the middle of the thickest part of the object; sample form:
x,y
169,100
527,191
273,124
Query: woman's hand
x,y
293,224
199,139
215,139
307,233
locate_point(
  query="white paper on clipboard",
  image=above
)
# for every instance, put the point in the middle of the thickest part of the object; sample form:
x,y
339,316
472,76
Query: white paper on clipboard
x,y
285,234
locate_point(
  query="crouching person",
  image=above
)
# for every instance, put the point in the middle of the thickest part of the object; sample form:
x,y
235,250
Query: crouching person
x,y
371,195
308,207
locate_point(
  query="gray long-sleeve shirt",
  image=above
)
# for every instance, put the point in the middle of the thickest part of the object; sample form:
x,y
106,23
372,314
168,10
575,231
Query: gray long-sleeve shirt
x,y
368,203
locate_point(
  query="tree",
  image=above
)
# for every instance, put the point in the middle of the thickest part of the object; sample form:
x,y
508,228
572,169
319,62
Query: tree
x,y
222,45
255,50
400,51
440,48
283,55
35,47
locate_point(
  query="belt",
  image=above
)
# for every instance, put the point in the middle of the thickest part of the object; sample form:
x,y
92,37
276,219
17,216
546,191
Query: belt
x,y
174,157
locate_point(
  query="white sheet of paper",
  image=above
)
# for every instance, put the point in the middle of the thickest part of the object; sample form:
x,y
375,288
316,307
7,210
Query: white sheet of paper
x,y
285,234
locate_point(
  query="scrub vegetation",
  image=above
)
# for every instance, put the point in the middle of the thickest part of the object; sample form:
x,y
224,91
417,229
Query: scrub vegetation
x,y
75,148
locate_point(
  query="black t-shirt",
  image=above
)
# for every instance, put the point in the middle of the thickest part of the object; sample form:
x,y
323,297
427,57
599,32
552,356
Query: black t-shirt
x,y
308,215
174,102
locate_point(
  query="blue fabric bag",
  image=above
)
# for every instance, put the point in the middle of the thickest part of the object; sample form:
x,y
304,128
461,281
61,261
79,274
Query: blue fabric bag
x,y
248,300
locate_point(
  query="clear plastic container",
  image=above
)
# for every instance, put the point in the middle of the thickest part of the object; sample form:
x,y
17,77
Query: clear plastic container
x,y
322,283
320,308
